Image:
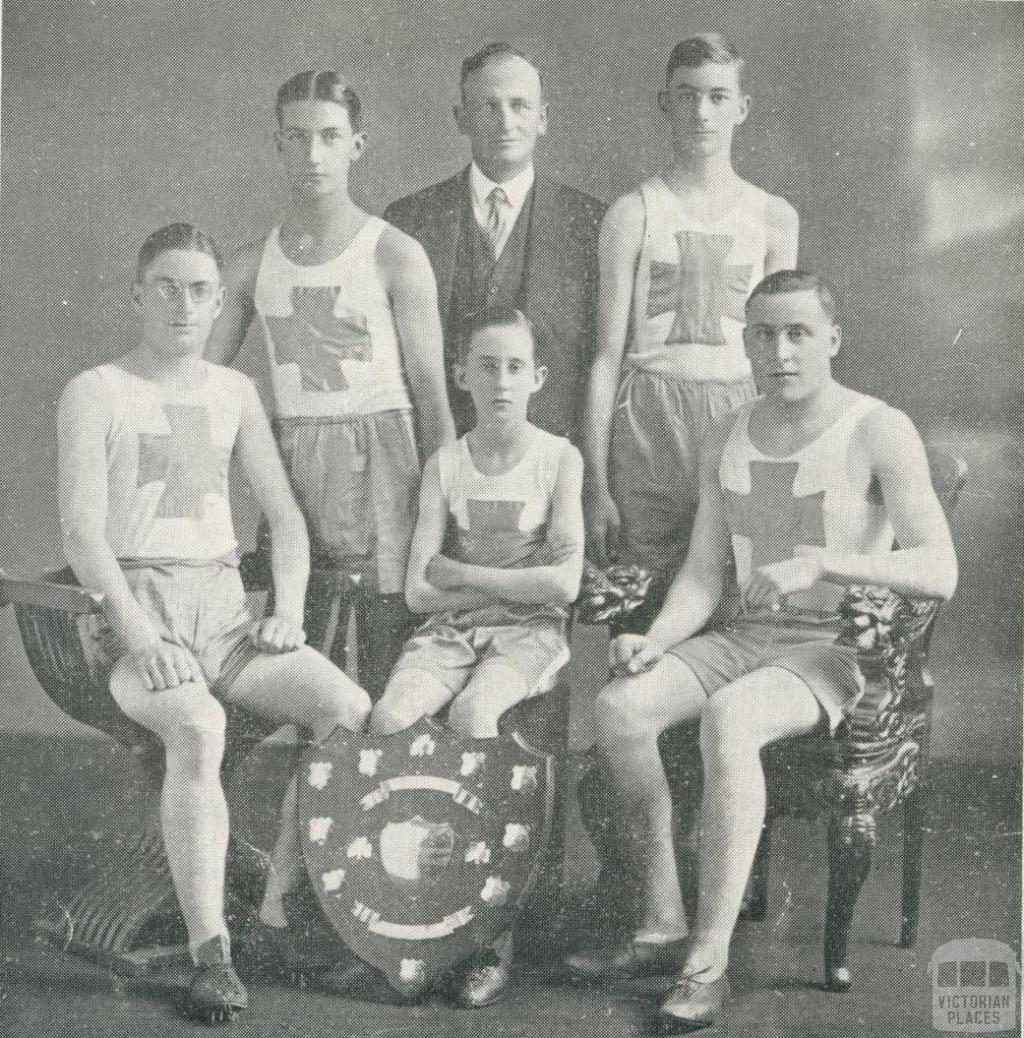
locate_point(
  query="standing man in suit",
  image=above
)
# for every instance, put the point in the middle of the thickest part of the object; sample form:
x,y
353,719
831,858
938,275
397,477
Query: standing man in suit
x,y
500,234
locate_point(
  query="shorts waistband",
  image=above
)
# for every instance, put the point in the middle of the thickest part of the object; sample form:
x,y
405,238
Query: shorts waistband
x,y
691,364
284,422
132,563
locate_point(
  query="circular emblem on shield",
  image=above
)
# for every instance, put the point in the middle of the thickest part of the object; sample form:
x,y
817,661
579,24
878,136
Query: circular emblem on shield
x,y
422,846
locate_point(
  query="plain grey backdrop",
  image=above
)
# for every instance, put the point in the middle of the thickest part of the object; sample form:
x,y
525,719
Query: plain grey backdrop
x,y
894,128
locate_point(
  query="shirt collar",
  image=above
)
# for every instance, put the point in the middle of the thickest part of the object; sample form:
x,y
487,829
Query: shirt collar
x,y
515,189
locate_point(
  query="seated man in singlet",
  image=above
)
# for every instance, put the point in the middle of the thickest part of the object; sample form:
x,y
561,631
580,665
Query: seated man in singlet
x,y
348,309
496,560
144,445
805,488
677,260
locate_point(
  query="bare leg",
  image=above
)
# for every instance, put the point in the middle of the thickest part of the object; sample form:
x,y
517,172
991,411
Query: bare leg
x,y
410,695
305,688
631,713
495,687
738,721
193,811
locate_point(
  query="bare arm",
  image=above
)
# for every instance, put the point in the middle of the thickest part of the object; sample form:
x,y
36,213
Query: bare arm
x,y
924,565
428,539
783,235
83,420
554,584
697,587
618,250
263,468
228,332
410,280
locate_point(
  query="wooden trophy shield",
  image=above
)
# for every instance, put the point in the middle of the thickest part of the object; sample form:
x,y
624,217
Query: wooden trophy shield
x,y
422,846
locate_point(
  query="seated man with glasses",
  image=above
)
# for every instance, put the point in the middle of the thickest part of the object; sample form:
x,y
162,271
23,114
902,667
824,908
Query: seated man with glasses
x,y
144,448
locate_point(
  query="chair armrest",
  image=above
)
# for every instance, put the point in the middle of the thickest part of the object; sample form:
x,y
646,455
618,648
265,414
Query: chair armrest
x,y
49,594
890,632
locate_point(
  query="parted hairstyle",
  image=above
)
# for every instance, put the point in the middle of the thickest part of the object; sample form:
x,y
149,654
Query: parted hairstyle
x,y
183,236
783,281
325,85
492,52
494,317
704,48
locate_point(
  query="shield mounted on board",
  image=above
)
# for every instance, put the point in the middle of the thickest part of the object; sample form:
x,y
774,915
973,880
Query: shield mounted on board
x,y
422,846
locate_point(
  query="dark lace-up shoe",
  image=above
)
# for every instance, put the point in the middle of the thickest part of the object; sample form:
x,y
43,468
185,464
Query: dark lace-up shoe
x,y
216,994
693,1003
628,960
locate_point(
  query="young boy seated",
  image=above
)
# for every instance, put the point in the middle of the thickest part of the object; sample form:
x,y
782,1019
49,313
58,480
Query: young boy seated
x,y
496,560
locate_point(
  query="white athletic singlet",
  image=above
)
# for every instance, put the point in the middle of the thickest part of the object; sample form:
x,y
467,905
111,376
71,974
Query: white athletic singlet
x,y
167,464
330,332
821,496
500,520
692,281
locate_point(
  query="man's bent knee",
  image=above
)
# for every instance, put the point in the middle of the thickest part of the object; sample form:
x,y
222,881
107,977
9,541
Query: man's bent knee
x,y
616,714
725,731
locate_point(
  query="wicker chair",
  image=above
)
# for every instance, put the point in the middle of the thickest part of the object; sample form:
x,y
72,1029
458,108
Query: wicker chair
x,y
122,916
873,765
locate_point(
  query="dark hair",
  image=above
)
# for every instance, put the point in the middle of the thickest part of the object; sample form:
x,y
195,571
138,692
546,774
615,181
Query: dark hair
x,y
492,52
175,236
494,317
784,281
325,85
704,48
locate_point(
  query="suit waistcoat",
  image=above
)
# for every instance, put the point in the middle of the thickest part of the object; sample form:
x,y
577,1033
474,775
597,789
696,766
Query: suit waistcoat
x,y
481,281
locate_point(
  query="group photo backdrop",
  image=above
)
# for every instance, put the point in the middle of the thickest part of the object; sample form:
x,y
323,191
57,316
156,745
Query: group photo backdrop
x,y
893,128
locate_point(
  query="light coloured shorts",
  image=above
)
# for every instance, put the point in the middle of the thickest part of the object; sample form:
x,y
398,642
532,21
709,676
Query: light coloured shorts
x,y
357,482
450,647
654,461
807,650
199,606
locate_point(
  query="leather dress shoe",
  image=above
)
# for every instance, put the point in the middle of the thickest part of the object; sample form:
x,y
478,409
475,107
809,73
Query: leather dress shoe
x,y
484,978
628,960
216,993
693,1003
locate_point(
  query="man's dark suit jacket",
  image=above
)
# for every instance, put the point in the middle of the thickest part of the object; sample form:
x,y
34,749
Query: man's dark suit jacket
x,y
560,283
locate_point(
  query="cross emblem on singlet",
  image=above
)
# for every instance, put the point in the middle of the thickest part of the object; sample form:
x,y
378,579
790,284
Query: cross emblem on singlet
x,y
700,289
493,532
185,460
772,517
317,338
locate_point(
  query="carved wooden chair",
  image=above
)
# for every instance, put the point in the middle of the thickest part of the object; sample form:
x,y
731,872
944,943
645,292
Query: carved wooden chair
x,y
872,766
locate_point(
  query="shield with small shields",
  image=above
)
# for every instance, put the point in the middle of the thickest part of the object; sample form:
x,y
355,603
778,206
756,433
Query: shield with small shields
x,y
422,846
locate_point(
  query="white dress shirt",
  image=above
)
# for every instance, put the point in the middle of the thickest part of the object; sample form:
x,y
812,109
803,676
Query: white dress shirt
x,y
515,190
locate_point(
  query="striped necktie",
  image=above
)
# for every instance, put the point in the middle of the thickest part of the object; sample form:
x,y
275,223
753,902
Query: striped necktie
x,y
497,219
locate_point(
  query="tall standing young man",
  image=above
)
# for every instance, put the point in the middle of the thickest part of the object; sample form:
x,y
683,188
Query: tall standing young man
x,y
805,489
677,259
501,233
348,307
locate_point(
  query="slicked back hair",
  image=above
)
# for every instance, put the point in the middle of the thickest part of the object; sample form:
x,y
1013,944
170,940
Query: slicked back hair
x,y
782,282
182,236
325,85
704,48
492,52
495,317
